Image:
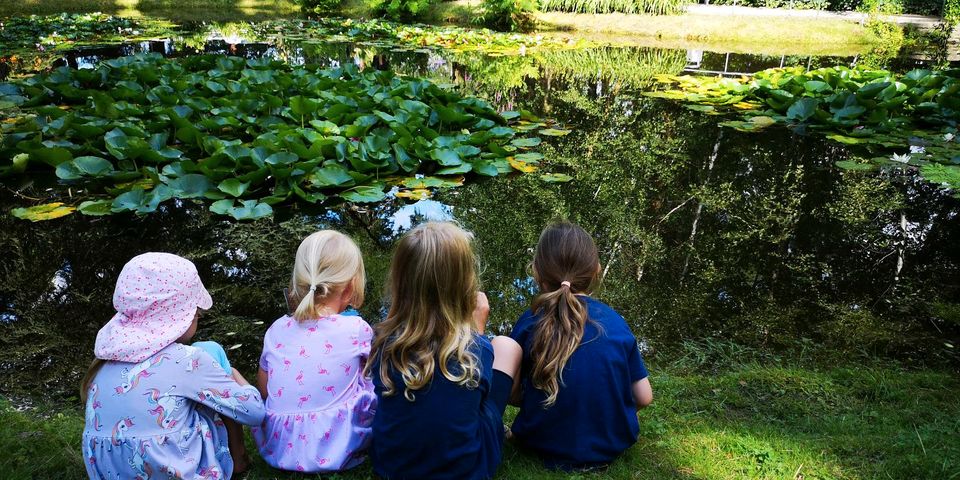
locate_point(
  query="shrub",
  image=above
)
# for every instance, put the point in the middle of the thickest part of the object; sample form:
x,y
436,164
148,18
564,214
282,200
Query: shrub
x,y
951,12
319,6
656,7
403,10
512,15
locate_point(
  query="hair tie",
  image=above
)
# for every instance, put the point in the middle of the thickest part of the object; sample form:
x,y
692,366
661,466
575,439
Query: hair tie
x,y
565,283
313,288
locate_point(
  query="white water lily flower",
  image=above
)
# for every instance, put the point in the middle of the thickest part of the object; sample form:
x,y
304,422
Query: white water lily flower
x,y
900,158
916,149
947,137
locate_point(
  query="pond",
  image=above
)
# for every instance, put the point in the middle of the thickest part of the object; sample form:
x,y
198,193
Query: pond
x,y
704,231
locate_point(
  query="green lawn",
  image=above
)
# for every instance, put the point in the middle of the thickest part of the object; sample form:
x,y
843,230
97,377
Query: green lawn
x,y
771,420
176,10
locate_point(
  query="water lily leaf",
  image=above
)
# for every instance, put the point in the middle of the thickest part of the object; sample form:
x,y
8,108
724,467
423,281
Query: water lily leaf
x,y
529,157
510,115
415,194
803,109
233,187
191,185
459,169
331,176
948,175
525,142
847,140
486,167
39,213
51,156
522,166
694,107
852,165
446,157
95,207
415,183
242,210
366,194
282,158
501,132
555,177
556,132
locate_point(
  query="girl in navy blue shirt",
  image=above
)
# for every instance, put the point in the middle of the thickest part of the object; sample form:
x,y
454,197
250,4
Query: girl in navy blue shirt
x,y
441,386
582,378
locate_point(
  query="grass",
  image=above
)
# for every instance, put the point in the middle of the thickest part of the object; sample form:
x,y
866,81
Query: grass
x,y
176,10
772,36
765,418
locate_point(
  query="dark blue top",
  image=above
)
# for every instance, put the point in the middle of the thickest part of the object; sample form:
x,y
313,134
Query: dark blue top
x,y
444,433
595,417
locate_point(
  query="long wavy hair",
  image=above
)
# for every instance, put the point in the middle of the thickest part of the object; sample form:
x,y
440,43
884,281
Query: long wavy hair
x,y
565,264
432,290
327,261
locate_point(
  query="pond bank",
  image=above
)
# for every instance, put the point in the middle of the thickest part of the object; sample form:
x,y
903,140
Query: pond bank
x,y
709,420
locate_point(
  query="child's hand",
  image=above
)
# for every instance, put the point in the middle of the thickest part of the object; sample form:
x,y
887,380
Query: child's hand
x,y
481,312
239,378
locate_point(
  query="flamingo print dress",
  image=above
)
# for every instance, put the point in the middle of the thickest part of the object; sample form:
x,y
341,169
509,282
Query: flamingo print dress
x,y
320,407
161,418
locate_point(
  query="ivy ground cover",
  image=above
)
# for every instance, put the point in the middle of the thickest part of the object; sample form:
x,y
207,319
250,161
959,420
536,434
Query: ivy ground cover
x,y
248,134
895,121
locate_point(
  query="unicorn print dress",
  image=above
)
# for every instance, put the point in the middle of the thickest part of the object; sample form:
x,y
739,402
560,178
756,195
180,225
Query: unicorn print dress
x,y
320,407
161,418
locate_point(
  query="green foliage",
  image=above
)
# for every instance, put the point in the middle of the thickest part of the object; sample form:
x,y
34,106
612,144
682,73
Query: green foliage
x,y
786,4
903,121
889,42
400,10
145,130
511,15
886,7
320,6
951,12
397,35
627,68
64,31
655,7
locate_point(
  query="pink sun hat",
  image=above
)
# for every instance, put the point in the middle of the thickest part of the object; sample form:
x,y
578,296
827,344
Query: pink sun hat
x,y
156,299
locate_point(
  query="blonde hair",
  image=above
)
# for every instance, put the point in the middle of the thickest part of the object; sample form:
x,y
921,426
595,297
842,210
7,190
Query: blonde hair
x,y
433,289
566,263
327,261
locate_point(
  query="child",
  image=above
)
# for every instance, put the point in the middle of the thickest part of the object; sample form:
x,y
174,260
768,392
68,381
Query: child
x,y
442,387
582,378
156,407
319,404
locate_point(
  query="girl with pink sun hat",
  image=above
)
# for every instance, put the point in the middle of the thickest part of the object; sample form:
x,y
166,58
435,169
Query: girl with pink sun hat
x,y
155,405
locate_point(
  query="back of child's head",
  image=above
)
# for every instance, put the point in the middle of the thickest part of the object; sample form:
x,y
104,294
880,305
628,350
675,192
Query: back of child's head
x,y
432,289
327,262
566,263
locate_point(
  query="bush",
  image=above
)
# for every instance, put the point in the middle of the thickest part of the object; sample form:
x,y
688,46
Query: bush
x,y
402,10
512,15
656,7
319,6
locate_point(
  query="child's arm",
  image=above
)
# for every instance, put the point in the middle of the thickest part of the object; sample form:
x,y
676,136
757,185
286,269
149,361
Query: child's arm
x,y
228,394
262,383
642,393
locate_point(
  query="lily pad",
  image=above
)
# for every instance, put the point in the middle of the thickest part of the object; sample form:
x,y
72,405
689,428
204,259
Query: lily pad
x,y
40,213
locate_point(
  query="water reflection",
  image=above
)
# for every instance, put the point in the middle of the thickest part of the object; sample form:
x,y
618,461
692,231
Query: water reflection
x,y
702,231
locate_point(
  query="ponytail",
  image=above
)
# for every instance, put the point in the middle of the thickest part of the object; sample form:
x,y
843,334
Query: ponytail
x,y
559,330
565,264
308,303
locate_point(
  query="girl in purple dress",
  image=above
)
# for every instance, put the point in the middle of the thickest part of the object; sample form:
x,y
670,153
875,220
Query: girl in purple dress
x,y
319,404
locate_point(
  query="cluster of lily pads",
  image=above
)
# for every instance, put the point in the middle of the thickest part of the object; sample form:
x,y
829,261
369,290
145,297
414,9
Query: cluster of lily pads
x,y
63,31
391,34
898,121
248,134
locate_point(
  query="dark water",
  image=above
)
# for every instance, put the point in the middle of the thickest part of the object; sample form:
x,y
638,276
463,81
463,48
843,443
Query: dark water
x,y
703,232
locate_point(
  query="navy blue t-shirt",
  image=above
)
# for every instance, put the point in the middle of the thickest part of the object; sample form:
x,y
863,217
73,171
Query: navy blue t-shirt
x,y
595,417
447,432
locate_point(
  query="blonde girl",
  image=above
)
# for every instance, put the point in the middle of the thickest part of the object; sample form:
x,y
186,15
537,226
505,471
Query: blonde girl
x,y
583,378
319,403
442,386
